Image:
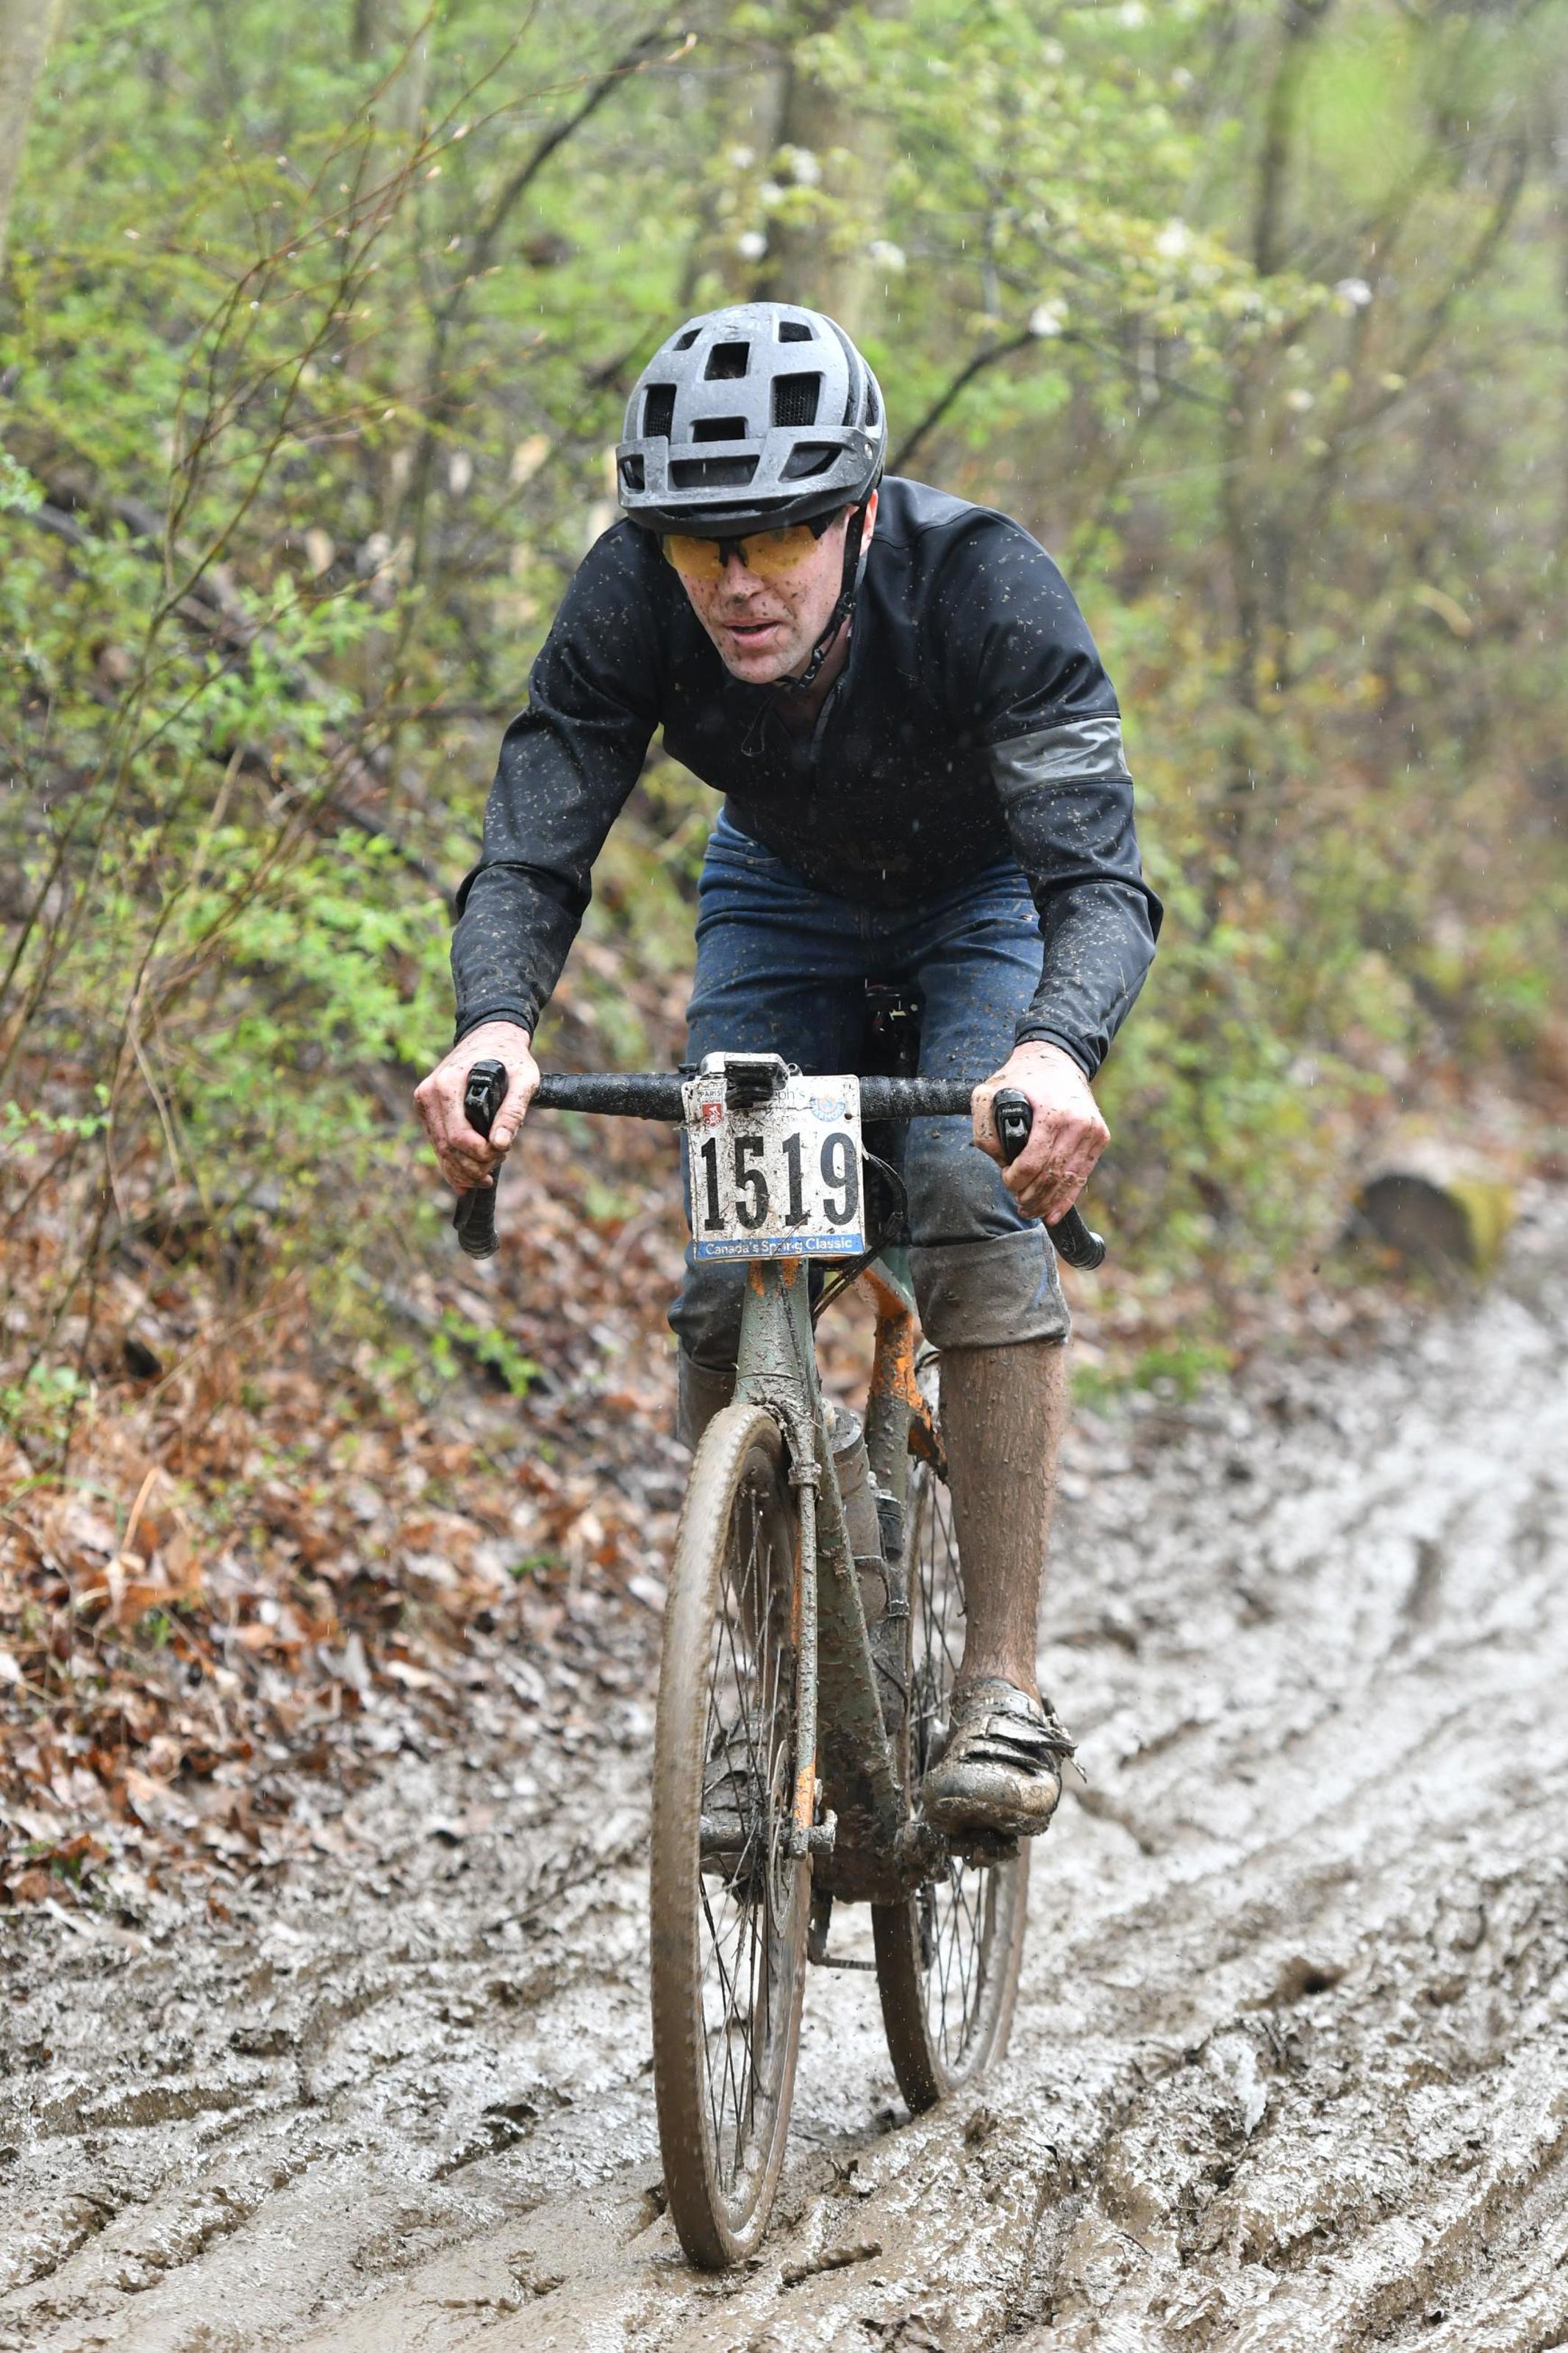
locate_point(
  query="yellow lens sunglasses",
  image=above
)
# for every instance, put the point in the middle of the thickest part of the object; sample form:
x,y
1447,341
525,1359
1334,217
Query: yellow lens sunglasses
x,y
767,554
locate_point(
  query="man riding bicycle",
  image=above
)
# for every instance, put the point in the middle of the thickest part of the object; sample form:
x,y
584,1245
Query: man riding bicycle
x,y
920,755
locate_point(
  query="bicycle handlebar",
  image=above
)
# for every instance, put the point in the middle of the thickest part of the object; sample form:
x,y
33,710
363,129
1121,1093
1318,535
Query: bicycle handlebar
x,y
656,1095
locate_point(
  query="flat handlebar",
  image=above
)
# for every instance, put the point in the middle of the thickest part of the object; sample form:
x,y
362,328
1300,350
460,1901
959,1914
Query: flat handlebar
x,y
656,1095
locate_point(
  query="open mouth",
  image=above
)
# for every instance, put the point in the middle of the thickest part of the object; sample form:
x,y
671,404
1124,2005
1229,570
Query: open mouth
x,y
748,632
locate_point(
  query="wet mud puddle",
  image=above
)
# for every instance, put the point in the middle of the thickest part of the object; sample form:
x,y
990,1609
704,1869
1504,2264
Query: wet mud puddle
x,y
1291,2065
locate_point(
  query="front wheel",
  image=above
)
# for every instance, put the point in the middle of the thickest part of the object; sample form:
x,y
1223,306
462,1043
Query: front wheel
x,y
948,1957
729,1909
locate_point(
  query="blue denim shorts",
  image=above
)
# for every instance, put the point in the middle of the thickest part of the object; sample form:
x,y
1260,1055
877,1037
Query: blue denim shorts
x,y
782,968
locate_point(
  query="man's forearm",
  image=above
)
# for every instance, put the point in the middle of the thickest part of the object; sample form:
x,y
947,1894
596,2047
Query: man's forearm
x,y
514,930
1098,945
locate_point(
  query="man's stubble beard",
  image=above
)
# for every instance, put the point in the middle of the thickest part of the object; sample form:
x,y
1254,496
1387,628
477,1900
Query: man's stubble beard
x,y
787,659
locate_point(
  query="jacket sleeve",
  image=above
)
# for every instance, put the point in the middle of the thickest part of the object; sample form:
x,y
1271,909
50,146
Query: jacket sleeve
x,y
1030,682
565,769
1069,800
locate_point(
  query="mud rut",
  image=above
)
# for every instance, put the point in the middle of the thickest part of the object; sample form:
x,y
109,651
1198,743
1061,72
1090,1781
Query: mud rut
x,y
1291,2068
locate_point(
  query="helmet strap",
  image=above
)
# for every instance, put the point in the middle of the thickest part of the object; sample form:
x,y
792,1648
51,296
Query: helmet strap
x,y
854,563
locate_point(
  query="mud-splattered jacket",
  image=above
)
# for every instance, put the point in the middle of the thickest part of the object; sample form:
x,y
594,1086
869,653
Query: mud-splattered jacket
x,y
973,720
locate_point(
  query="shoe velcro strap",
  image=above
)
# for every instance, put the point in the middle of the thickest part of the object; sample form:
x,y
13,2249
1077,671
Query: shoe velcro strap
x,y
1020,1751
1031,1735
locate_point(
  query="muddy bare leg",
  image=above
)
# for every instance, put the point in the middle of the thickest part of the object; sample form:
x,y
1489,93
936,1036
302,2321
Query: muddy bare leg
x,y
1003,1410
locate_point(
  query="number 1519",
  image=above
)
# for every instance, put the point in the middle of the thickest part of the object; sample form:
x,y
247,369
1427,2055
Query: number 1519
x,y
837,1167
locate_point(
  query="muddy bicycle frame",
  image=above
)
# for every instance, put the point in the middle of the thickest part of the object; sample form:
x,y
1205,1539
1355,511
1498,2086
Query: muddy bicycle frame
x,y
867,1846
834,1807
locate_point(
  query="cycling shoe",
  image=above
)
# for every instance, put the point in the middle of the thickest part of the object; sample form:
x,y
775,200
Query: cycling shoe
x,y
1000,1770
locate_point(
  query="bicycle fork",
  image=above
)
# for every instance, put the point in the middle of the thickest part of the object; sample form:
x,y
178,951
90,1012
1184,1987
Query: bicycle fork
x,y
840,1733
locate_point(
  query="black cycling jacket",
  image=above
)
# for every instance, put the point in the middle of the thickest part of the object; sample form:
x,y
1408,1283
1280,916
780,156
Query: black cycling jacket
x,y
974,719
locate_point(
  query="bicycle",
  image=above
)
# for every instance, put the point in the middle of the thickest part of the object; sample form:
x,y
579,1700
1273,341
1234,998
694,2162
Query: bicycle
x,y
812,1629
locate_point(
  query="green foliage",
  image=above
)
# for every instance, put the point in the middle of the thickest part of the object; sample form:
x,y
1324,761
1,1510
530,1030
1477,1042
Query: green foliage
x,y
485,1345
23,1128
19,494
1177,1370
38,1411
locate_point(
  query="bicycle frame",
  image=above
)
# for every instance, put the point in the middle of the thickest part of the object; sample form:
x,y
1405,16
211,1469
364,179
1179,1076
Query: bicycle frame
x,y
863,1846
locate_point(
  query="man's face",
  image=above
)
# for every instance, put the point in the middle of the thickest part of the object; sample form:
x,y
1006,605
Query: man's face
x,y
765,625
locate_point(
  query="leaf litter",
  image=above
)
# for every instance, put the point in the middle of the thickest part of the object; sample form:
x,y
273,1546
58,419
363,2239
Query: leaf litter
x,y
269,1560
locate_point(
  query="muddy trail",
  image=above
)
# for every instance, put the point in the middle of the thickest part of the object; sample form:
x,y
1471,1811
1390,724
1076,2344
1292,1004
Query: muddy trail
x,y
1290,2064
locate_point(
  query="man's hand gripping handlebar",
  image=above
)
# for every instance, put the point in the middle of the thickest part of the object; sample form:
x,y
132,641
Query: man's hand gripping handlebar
x,y
475,1215
1070,1237
471,1149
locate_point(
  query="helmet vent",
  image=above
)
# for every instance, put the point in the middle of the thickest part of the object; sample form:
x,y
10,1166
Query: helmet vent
x,y
712,473
810,457
719,428
727,360
658,412
632,473
795,331
872,417
795,398
684,342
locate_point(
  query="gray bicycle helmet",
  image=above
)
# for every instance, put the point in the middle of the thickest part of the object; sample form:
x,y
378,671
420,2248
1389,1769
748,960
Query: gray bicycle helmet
x,y
748,417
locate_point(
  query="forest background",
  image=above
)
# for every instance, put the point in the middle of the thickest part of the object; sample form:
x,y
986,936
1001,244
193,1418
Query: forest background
x,y
316,327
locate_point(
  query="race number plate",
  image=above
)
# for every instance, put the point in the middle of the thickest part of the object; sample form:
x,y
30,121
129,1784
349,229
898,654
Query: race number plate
x,y
776,1179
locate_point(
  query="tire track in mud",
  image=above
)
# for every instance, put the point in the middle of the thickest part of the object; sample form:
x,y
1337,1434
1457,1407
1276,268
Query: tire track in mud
x,y
264,2123
1290,2064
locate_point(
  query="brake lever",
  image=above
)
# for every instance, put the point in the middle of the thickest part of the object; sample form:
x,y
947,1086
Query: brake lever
x,y
1071,1238
475,1215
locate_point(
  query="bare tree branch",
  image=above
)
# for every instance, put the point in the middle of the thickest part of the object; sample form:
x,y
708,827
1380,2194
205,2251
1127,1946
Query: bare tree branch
x,y
446,318
984,358
630,62
993,352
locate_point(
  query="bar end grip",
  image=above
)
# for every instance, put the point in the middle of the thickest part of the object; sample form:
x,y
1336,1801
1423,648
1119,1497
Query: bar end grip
x,y
474,1219
1076,1242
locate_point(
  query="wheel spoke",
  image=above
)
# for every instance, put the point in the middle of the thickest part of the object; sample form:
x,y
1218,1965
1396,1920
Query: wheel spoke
x,y
713,2087
742,1938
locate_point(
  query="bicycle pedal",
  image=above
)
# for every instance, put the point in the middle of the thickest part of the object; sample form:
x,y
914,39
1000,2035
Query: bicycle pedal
x,y
982,1848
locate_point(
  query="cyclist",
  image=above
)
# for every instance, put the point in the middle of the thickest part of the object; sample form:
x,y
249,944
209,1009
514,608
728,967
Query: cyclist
x,y
920,758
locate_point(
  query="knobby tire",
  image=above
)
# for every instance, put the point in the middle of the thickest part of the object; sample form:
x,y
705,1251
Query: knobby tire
x,y
728,1939
947,1957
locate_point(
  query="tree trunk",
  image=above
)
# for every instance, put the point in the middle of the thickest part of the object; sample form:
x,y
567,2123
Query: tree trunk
x,y
27,28
826,261
1259,515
